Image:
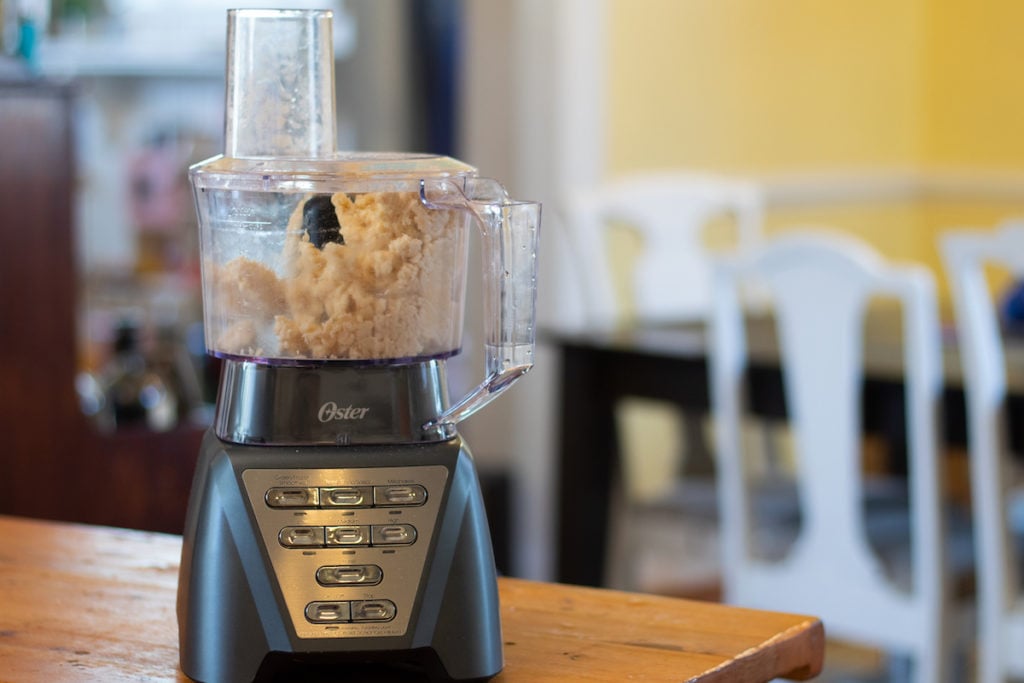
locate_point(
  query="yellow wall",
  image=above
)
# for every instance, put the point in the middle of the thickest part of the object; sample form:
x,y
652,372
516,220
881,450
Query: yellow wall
x,y
742,85
975,74
799,86
974,103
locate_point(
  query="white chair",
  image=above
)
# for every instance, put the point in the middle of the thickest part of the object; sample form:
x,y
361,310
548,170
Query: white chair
x,y
670,211
1000,641
819,285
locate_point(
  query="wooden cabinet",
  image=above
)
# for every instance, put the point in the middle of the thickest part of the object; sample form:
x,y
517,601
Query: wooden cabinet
x,y
54,463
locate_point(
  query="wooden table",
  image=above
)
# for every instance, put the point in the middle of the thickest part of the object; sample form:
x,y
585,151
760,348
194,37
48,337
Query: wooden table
x,y
86,603
599,368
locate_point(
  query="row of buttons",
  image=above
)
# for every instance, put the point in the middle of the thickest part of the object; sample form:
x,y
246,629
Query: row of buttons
x,y
347,536
346,496
347,611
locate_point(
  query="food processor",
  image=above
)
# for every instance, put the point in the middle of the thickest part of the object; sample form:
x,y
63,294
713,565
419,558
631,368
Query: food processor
x,y
336,519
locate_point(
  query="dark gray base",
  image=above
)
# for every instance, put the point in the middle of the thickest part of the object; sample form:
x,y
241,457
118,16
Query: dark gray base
x,y
232,623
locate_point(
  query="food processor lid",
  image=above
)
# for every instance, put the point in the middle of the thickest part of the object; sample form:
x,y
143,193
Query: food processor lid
x,y
350,170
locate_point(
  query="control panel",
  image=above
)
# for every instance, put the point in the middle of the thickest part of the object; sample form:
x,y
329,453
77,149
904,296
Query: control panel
x,y
347,546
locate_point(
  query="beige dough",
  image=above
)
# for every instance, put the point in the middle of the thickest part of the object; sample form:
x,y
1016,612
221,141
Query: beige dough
x,y
392,290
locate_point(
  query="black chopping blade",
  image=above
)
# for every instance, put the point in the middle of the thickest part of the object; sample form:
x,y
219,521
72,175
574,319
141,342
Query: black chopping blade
x,y
320,221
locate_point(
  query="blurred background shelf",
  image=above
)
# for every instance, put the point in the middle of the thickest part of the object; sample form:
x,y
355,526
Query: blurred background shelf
x,y
152,39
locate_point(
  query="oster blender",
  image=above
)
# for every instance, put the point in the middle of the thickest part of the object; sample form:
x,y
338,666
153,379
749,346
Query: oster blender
x,y
336,520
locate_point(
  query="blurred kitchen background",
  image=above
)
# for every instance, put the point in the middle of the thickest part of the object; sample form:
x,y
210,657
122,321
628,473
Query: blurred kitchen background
x,y
148,93
890,120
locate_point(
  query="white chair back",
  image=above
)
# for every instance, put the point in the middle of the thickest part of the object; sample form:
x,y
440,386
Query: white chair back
x,y
819,285
671,280
1000,600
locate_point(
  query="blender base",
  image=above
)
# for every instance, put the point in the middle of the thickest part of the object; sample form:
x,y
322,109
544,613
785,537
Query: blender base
x,y
385,667
386,567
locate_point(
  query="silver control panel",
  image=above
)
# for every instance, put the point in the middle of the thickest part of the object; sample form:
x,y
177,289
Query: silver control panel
x,y
348,546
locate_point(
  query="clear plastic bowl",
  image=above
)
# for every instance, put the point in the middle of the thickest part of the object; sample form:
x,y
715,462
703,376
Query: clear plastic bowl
x,y
331,259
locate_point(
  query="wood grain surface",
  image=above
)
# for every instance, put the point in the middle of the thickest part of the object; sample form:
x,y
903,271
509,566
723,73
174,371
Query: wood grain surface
x,y
86,603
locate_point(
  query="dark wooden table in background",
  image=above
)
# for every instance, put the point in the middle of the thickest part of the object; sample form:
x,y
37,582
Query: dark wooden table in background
x,y
598,369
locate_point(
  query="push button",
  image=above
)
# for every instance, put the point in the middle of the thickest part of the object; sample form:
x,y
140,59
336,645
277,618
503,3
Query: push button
x,y
348,535
350,575
347,496
293,497
373,610
393,534
328,612
301,536
401,494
